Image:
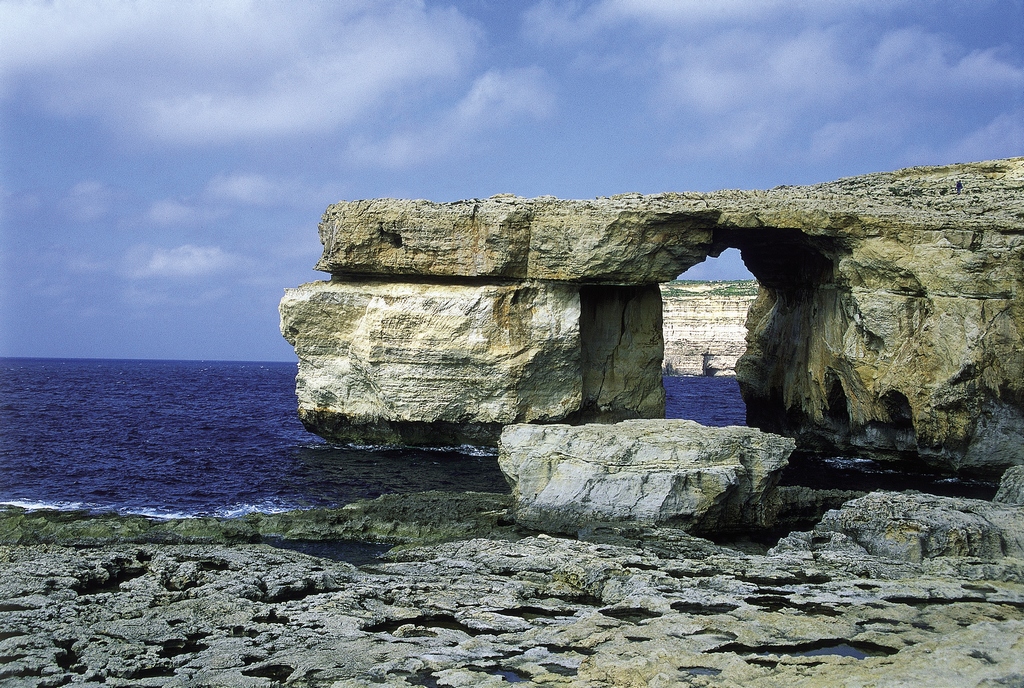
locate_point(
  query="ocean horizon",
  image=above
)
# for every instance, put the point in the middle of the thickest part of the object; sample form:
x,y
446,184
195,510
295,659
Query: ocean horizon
x,y
182,438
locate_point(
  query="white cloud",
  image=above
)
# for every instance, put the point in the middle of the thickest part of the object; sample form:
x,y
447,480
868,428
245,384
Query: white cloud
x,y
496,99
501,95
87,201
197,71
574,22
184,261
993,140
169,212
806,80
254,189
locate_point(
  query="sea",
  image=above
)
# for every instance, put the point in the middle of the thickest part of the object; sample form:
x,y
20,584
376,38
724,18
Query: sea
x,y
173,439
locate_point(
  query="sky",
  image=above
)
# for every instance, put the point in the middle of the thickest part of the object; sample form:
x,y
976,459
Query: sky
x,y
164,163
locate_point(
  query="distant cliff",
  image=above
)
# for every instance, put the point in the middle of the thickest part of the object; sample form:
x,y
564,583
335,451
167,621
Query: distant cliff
x,y
705,325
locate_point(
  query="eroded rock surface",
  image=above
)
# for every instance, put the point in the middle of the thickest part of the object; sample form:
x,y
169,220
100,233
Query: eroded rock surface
x,y
489,355
889,320
916,526
627,607
1011,487
426,363
627,239
707,480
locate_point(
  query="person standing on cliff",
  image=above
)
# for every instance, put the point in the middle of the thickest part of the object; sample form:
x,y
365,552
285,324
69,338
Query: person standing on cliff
x,y
959,187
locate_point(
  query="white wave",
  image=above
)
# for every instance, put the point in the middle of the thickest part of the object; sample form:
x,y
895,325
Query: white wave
x,y
239,510
232,511
156,514
465,449
41,506
849,461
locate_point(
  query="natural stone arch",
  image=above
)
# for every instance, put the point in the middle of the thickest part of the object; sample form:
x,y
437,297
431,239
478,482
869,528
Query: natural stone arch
x,y
889,322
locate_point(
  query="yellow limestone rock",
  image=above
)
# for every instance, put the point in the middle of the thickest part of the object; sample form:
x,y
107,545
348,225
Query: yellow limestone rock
x,y
627,239
420,363
889,320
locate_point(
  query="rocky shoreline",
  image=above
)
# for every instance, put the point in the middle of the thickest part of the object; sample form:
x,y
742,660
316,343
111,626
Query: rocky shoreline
x,y
892,589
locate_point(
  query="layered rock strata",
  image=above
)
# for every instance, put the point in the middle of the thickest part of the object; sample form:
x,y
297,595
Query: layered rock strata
x,y
705,326
888,323
678,472
618,607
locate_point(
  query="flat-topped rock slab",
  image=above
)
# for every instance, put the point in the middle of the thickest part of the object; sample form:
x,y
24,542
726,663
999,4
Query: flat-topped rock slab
x,y
627,239
676,472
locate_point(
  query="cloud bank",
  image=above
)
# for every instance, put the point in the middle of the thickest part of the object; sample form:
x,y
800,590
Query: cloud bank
x,y
197,72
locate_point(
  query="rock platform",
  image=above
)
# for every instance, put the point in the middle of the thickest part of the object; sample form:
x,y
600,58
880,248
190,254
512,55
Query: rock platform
x,y
110,601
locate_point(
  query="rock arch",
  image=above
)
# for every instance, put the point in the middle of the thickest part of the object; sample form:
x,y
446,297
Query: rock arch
x,y
889,322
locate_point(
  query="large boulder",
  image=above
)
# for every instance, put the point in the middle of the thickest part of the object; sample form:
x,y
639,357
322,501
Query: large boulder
x,y
915,526
677,472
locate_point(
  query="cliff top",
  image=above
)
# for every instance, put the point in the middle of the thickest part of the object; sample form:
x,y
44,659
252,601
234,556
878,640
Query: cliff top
x,y
684,289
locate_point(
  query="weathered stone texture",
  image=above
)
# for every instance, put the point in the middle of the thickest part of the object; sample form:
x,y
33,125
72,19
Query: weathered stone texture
x,y
621,351
895,326
625,239
890,319
705,326
397,362
1011,487
646,471
391,237
915,526
619,607
424,363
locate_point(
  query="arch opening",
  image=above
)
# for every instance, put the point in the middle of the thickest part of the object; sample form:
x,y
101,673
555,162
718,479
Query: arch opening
x,y
704,323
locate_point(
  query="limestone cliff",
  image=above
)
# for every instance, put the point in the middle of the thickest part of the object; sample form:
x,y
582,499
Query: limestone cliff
x,y
705,326
889,321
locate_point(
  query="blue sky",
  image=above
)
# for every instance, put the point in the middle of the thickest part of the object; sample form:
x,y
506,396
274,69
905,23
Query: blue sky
x,y
163,165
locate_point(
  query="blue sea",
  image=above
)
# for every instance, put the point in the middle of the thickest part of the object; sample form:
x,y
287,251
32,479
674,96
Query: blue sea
x,y
188,438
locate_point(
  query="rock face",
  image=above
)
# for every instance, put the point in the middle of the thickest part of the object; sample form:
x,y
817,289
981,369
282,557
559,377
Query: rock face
x,y
627,239
914,527
678,472
1011,487
888,323
368,349
422,363
705,326
893,324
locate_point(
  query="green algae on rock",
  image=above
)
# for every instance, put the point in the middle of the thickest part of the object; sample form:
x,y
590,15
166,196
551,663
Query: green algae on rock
x,y
650,608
